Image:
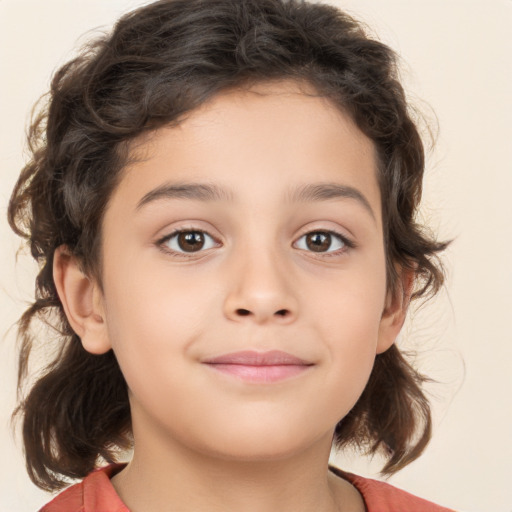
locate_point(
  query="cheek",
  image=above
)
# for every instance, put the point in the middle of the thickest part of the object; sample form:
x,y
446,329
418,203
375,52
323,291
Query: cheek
x,y
350,303
152,319
148,296
348,324
351,337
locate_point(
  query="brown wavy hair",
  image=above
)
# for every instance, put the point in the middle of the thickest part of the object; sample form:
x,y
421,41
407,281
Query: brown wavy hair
x,y
159,63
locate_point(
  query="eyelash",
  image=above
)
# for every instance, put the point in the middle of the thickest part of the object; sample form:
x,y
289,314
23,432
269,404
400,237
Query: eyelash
x,y
162,243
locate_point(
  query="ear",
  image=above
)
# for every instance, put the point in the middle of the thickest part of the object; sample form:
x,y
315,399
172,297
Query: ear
x,y
82,300
395,310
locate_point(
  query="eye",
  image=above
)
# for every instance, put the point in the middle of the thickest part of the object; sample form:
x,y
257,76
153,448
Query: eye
x,y
323,242
188,241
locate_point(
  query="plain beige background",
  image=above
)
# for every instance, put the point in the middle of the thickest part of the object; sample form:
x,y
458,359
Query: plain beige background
x,y
457,60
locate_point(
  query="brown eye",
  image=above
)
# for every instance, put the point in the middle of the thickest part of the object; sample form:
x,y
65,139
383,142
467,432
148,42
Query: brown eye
x,y
322,242
189,241
318,242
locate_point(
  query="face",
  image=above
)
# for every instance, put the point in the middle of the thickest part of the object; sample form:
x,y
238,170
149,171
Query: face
x,y
244,283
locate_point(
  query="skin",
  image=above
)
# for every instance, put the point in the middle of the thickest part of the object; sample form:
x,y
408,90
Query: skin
x,y
205,440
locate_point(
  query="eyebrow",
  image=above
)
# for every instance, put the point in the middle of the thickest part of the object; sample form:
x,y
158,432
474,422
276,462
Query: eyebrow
x,y
195,191
325,191
310,192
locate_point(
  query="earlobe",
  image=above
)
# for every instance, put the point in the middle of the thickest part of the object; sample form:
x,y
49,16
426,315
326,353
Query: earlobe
x,y
395,311
82,301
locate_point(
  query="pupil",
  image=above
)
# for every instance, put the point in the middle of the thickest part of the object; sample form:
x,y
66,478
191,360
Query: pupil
x,y
191,241
318,242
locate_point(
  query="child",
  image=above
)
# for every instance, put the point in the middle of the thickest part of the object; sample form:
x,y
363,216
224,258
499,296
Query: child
x,y
222,200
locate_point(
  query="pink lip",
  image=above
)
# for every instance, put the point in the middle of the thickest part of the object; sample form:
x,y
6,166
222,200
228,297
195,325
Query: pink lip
x,y
263,367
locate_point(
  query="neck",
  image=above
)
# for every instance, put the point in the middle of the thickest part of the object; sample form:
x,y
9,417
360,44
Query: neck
x,y
167,476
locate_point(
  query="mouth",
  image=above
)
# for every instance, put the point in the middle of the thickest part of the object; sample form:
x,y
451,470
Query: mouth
x,y
259,367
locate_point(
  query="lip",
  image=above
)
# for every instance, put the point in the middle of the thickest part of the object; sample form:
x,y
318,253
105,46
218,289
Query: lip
x,y
259,367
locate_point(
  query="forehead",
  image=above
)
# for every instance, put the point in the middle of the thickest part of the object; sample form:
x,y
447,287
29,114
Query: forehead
x,y
283,133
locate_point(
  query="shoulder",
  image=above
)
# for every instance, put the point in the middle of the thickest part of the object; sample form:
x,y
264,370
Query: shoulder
x,y
95,492
383,497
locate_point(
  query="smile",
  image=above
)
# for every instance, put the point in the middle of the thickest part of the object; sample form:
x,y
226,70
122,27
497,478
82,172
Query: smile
x,y
259,367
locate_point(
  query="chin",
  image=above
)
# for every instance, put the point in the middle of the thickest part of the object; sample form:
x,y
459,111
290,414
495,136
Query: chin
x,y
263,442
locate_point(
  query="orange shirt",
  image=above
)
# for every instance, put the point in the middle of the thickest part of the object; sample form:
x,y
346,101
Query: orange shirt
x,y
96,494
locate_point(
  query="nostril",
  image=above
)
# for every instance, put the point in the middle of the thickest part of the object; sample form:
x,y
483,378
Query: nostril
x,y
246,312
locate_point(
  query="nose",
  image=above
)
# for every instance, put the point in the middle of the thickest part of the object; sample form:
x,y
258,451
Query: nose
x,y
260,291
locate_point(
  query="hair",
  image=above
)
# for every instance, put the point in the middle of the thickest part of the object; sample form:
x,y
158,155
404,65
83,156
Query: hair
x,y
159,63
